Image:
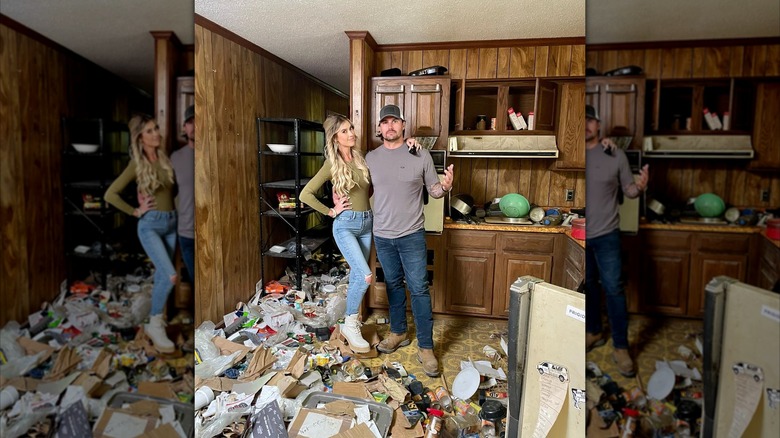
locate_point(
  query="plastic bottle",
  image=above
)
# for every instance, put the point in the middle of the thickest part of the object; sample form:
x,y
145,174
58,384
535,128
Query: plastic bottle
x,y
444,398
463,407
435,423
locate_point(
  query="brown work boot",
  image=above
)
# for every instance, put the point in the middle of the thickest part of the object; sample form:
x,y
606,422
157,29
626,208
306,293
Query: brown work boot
x,y
429,362
592,341
624,363
393,342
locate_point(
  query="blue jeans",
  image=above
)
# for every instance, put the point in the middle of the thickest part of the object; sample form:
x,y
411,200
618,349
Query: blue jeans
x,y
406,257
603,262
187,246
157,233
352,233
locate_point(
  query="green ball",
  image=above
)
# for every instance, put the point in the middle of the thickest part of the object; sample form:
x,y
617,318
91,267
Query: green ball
x,y
514,205
709,205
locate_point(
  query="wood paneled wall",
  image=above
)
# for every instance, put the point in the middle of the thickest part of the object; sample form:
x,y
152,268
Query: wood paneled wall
x,y
488,178
674,181
40,82
236,82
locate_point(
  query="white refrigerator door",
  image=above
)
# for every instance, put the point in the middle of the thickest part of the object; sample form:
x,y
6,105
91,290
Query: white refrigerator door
x,y
751,335
556,337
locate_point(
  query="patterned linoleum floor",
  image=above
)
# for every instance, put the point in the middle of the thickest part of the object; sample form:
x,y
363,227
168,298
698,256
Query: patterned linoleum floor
x,y
651,339
454,339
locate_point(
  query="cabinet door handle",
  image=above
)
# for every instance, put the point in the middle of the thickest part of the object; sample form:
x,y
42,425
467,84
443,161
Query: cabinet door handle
x,y
389,88
426,88
621,88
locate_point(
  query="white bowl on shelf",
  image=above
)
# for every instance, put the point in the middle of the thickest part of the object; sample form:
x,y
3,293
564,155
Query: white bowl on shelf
x,y
85,148
281,148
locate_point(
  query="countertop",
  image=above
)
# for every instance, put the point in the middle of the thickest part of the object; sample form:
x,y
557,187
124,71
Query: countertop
x,y
702,228
483,226
773,241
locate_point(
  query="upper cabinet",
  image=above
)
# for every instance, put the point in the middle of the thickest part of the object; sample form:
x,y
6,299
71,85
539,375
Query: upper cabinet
x,y
424,102
477,99
677,107
766,130
571,126
619,102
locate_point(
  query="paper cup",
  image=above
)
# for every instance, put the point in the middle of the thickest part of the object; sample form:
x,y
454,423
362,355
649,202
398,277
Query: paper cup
x,y
203,396
8,396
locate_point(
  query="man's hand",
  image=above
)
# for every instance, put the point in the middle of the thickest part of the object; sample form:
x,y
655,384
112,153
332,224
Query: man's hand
x,y
644,177
608,146
412,144
448,177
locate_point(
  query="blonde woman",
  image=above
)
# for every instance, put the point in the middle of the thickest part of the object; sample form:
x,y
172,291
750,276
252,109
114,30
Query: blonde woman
x,y
346,168
151,169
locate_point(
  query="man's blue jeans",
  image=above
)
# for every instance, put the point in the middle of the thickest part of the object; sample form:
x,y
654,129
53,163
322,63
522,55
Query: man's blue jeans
x,y
157,233
406,257
603,262
352,233
187,246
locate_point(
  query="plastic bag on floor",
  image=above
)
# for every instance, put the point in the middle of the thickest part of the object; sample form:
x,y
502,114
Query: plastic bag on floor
x,y
215,427
216,366
20,427
203,341
8,336
335,309
19,366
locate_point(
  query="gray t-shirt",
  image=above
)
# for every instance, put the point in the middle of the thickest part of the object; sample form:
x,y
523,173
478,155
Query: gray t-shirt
x,y
183,161
399,178
604,175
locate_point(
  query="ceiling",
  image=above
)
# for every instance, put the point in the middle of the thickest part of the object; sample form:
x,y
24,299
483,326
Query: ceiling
x,y
310,33
112,34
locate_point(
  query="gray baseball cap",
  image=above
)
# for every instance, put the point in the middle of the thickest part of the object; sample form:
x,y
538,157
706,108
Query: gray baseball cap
x,y
590,113
189,113
390,111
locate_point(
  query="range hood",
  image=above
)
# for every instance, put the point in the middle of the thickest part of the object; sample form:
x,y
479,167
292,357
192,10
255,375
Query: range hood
x,y
503,146
698,146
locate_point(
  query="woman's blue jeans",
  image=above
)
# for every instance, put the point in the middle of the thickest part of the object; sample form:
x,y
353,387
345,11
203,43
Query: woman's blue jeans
x,y
157,233
406,257
603,263
352,233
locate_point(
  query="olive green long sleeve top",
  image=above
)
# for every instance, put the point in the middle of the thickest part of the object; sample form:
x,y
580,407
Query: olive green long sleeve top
x,y
358,196
163,195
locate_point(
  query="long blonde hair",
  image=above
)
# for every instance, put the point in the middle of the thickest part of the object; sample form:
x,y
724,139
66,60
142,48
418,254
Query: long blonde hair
x,y
147,179
341,174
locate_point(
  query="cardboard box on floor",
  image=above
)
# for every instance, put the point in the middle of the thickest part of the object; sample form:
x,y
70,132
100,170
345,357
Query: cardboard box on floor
x,y
369,334
313,423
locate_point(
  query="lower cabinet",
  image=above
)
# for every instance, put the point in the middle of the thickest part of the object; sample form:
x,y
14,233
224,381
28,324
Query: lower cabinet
x,y
469,281
521,254
769,265
677,265
573,266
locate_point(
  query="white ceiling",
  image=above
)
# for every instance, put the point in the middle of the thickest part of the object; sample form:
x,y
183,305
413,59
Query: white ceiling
x,y
310,33
113,34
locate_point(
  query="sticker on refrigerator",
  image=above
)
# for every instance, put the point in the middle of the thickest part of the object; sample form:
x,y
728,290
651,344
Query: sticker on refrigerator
x,y
573,312
553,385
748,385
578,397
773,397
770,312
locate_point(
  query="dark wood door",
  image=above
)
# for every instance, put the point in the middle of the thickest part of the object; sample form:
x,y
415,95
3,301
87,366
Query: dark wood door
x,y
425,115
469,281
571,127
664,282
623,99
705,267
510,268
766,129
385,92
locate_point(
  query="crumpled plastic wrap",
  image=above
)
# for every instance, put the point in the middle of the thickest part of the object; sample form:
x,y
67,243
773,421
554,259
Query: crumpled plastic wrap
x,y
22,425
215,426
203,341
216,366
8,336
19,366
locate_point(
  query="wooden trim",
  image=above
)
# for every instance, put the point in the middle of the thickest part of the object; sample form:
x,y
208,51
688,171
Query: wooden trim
x,y
684,43
166,35
243,42
444,45
362,35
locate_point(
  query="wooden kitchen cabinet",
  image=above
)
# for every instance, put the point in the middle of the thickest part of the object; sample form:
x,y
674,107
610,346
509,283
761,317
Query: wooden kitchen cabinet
x,y
492,98
521,254
571,126
769,265
471,259
676,266
424,102
766,128
620,103
574,265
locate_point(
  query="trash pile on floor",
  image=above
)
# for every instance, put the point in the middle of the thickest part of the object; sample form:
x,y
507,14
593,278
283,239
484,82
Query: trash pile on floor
x,y
669,405
278,367
84,366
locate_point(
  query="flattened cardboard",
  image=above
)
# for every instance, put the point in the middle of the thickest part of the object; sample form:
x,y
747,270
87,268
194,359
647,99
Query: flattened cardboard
x,y
164,431
216,383
229,347
297,364
351,389
369,334
359,431
400,427
262,360
598,429
67,361
107,419
102,365
34,347
88,382
157,389
302,424
23,383
341,407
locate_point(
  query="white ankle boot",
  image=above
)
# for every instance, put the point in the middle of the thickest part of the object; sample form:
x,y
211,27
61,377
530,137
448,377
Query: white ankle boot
x,y
155,330
350,330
